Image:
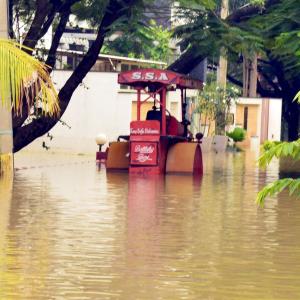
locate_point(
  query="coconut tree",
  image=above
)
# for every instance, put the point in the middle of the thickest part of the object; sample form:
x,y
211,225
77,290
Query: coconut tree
x,y
24,82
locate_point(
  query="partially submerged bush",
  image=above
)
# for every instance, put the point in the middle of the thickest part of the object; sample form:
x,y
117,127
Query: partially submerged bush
x,y
237,135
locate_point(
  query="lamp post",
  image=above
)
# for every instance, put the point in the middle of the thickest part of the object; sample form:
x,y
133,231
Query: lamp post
x,y
6,133
101,139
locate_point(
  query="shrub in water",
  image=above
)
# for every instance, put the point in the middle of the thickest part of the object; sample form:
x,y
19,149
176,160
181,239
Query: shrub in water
x,y
238,134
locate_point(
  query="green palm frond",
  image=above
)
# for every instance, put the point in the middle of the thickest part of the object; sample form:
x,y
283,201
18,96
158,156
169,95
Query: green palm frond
x,y
279,149
272,189
297,97
24,77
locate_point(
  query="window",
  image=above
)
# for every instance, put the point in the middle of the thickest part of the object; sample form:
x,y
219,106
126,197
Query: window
x,y
76,47
103,66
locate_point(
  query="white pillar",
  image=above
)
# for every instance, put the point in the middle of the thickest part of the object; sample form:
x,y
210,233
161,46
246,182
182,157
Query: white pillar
x,y
6,135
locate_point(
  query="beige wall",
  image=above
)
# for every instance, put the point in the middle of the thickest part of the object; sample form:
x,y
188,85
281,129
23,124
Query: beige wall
x,y
146,106
264,118
252,129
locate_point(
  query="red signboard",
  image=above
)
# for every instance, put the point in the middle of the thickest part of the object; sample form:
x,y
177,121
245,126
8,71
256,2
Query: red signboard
x,y
143,153
148,75
165,77
144,128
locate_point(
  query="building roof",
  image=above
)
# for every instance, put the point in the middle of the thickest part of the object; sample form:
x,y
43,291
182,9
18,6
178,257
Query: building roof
x,y
115,57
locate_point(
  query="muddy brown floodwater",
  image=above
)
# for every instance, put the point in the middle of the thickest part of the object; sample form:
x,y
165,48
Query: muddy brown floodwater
x,y
70,231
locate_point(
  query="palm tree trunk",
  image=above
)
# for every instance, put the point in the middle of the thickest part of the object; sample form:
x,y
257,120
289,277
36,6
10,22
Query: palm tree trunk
x,y
6,141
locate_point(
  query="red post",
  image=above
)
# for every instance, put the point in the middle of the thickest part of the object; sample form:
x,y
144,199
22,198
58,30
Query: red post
x,y
182,99
163,102
138,104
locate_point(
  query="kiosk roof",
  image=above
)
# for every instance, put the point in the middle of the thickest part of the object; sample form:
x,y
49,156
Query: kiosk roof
x,y
145,77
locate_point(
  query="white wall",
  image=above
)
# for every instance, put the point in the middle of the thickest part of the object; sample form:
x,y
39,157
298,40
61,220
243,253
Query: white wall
x,y
94,108
98,106
274,122
274,127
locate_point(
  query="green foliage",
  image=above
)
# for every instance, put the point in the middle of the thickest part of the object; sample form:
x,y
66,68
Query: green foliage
x,y
22,77
205,30
141,41
135,37
279,149
293,185
297,97
237,135
258,2
269,29
198,4
281,35
90,10
270,33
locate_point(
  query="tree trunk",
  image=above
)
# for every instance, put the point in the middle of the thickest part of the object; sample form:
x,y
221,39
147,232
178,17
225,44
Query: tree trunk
x,y
220,123
26,134
34,33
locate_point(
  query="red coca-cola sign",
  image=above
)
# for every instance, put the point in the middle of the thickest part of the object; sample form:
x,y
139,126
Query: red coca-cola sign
x,y
143,153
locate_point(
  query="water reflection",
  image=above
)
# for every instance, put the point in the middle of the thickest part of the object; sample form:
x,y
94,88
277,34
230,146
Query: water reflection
x,y
69,231
5,203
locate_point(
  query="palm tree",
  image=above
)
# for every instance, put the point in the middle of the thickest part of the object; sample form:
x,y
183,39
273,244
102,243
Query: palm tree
x,y
24,81
24,78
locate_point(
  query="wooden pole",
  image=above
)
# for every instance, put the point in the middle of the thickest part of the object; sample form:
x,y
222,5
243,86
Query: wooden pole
x,y
6,134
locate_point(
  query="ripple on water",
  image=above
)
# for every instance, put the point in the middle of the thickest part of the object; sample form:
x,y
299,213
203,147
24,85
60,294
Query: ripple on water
x,y
69,231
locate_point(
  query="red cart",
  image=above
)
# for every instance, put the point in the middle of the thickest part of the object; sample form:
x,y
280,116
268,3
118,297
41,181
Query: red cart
x,y
159,144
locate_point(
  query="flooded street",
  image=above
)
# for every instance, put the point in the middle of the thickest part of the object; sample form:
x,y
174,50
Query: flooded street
x,y
70,231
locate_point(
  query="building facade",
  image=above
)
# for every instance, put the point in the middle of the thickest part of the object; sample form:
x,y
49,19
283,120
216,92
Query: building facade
x,y
99,104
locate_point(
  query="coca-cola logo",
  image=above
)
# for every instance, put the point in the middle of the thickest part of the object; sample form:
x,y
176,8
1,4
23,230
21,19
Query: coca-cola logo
x,y
142,158
144,149
144,153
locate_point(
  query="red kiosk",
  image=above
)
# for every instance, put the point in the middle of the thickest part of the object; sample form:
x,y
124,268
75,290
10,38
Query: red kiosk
x,y
160,143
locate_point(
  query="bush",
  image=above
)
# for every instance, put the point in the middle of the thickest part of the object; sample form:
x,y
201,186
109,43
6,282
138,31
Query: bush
x,y
238,134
